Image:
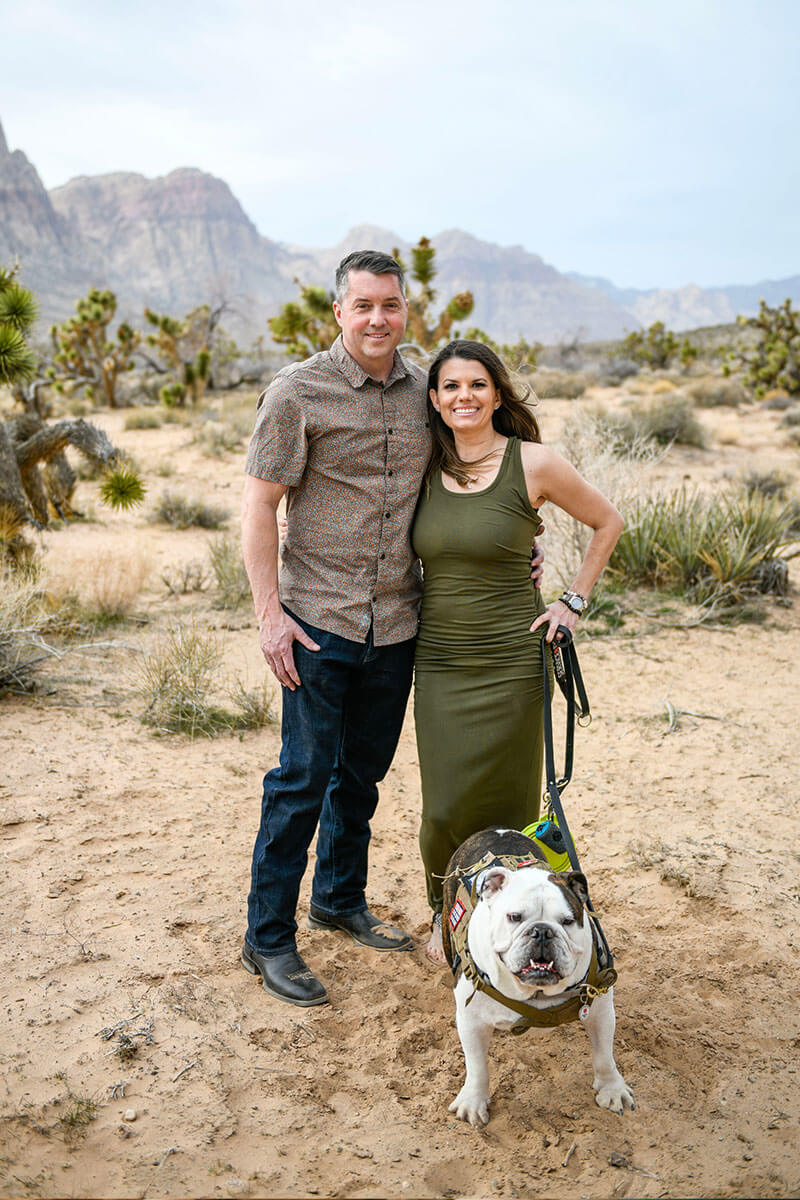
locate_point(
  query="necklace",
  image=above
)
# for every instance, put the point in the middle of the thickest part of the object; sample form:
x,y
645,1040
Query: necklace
x,y
471,480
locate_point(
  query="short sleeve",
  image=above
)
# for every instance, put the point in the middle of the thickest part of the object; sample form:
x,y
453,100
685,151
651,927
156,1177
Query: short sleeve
x,y
279,448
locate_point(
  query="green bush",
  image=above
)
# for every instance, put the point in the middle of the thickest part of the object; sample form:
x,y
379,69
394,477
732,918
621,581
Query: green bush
x,y
181,513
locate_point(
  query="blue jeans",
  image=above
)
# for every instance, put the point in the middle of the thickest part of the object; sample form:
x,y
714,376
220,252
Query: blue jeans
x,y
339,730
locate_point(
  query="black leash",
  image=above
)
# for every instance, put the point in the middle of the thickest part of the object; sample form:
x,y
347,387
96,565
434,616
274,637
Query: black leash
x,y
568,676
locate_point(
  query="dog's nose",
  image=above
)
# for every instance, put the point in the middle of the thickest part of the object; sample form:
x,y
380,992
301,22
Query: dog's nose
x,y
542,933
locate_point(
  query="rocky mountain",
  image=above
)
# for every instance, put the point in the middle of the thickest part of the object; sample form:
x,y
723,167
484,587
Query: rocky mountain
x,y
174,242
692,307
32,231
183,239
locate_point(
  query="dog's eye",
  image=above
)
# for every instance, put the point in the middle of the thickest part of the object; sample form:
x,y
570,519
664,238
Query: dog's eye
x,y
515,918
568,921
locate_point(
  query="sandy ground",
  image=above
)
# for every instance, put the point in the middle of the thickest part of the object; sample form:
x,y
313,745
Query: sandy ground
x,y
140,1060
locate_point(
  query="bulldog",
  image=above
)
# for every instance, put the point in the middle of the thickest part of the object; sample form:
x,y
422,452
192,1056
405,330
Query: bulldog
x,y
530,939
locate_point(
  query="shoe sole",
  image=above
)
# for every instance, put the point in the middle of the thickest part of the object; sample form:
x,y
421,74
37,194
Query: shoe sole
x,y
253,970
313,923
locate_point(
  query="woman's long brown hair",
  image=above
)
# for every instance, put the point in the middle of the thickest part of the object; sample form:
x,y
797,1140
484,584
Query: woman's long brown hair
x,y
513,418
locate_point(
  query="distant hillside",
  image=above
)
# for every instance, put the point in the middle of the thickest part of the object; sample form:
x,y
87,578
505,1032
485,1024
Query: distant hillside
x,y
693,307
183,239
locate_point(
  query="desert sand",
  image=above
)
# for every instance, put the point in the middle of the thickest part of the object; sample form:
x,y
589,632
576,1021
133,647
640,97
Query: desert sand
x,y
140,1060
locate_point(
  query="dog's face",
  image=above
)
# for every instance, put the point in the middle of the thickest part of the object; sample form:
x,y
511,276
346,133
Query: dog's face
x,y
536,926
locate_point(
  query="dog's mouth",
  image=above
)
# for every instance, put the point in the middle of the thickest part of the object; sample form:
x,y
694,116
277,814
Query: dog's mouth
x,y
538,972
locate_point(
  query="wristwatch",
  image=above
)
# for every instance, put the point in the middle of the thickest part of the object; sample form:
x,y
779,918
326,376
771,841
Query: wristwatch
x,y
574,601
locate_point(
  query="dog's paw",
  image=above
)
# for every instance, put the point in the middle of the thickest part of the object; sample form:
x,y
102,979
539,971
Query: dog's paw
x,y
471,1106
616,1096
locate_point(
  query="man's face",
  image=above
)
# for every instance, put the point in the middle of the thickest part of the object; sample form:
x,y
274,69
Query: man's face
x,y
372,317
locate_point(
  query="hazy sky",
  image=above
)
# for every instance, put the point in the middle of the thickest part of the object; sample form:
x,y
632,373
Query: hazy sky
x,y
655,144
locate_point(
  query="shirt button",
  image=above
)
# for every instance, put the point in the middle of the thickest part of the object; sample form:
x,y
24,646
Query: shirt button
x,y
374,597
383,556
388,514
390,472
390,431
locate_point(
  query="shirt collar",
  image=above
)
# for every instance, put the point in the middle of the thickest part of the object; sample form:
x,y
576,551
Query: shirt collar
x,y
355,374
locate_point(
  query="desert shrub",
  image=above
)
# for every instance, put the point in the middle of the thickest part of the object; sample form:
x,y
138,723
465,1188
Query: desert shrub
x,y
714,391
620,469
220,437
777,399
227,563
614,371
24,618
767,483
95,590
181,513
179,682
790,418
143,418
713,550
669,420
565,385
663,387
189,577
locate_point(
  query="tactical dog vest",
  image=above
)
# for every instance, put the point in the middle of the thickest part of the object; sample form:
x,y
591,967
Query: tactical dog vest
x,y
574,1003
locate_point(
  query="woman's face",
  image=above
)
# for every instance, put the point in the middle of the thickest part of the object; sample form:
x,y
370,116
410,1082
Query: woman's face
x,y
466,396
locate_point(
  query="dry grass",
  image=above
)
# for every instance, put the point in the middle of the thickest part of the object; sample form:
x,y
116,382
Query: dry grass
x,y
620,470
179,680
24,618
97,589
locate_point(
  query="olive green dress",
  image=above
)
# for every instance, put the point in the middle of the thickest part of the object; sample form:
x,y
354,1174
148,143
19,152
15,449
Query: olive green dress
x,y
478,670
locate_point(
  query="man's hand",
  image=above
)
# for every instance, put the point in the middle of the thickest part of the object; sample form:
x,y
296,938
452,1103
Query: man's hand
x,y
277,645
537,562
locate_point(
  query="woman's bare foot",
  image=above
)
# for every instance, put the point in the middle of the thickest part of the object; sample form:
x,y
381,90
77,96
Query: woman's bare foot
x,y
435,948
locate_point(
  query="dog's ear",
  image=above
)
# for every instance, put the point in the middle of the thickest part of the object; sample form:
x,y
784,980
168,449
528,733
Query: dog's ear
x,y
576,882
489,882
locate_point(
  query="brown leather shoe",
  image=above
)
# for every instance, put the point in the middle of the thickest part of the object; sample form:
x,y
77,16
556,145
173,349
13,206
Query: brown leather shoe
x,y
285,976
363,927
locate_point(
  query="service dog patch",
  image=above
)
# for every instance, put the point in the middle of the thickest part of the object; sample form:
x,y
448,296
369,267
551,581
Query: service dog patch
x,y
456,913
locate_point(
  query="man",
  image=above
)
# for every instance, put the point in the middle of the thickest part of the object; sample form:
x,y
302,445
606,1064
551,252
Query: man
x,y
344,435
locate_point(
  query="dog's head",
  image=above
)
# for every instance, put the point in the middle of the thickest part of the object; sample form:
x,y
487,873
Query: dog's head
x,y
536,926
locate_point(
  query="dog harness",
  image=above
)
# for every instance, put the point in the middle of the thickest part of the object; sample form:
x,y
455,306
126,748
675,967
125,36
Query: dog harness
x,y
574,1003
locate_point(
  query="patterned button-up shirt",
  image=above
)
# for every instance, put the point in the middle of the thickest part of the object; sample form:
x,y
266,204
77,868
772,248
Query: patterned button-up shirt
x,y
351,452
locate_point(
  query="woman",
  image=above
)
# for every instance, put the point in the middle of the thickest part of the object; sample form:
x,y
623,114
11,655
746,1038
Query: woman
x,y
478,670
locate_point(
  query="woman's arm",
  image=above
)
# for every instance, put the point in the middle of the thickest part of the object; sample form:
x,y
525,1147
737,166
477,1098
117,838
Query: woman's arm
x,y
550,477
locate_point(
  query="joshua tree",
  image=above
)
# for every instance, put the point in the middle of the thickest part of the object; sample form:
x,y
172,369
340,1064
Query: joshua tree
x,y
427,330
35,475
307,324
774,361
658,347
184,348
86,355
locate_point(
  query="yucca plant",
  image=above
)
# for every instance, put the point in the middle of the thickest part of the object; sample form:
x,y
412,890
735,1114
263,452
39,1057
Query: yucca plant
x,y
712,550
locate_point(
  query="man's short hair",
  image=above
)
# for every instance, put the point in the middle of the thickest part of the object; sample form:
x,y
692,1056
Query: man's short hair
x,y
374,261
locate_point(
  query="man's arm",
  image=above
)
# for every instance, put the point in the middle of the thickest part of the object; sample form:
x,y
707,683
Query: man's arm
x,y
277,630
